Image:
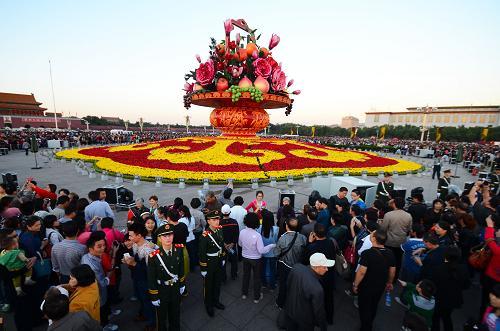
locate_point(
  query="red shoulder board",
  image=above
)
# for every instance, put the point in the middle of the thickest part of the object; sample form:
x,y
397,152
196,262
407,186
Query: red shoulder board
x,y
152,254
219,227
179,246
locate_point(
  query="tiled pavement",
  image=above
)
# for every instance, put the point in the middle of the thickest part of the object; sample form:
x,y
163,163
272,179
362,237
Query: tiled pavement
x,y
239,314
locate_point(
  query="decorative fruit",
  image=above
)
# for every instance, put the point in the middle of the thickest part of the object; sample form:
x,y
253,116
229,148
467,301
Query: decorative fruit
x,y
251,47
263,52
197,87
222,84
245,82
261,84
220,49
241,55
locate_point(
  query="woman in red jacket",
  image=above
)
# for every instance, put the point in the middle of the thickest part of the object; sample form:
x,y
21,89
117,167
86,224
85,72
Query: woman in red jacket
x,y
491,275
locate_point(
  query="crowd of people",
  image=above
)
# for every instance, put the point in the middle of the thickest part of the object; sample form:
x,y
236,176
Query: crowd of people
x,y
63,260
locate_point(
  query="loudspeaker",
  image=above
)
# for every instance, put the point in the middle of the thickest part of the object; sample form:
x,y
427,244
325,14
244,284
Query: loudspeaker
x,y
468,185
287,193
398,192
118,195
10,179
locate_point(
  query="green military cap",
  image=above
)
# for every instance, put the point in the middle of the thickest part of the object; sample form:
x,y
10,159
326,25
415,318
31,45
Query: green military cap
x,y
387,174
165,229
447,171
213,214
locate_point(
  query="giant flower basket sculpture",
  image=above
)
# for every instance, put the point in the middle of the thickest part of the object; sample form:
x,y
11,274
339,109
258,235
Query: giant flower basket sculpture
x,y
241,79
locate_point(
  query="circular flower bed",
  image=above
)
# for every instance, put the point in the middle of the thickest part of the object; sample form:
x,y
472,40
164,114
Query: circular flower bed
x,y
242,159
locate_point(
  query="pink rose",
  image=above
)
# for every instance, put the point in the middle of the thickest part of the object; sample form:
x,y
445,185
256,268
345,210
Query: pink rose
x,y
205,73
262,68
278,80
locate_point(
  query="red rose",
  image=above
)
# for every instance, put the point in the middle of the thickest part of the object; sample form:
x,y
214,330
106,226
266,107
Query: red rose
x,y
272,62
278,80
262,68
205,73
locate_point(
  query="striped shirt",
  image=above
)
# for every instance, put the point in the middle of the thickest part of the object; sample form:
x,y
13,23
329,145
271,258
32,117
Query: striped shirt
x,y
66,255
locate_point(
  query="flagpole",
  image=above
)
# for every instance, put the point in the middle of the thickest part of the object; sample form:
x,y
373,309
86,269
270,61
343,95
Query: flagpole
x,y
53,96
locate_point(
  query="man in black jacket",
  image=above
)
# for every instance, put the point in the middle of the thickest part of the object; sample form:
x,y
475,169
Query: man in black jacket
x,y
433,258
318,243
304,303
418,208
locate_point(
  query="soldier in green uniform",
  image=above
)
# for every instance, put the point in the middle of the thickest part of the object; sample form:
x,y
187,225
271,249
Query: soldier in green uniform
x,y
384,188
495,179
166,279
443,184
211,249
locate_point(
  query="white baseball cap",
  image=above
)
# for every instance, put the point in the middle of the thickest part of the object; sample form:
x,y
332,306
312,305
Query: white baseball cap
x,y
226,210
320,260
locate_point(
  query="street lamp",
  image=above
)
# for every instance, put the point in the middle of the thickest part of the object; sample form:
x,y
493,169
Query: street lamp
x,y
297,130
425,110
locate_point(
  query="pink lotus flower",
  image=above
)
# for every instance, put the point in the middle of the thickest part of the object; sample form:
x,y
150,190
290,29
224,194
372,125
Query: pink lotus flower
x,y
198,58
290,82
278,80
255,54
275,40
235,71
296,92
205,73
262,68
228,26
238,38
188,87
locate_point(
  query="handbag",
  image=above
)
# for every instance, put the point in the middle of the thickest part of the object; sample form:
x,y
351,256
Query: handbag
x,y
350,255
47,251
42,267
480,255
342,268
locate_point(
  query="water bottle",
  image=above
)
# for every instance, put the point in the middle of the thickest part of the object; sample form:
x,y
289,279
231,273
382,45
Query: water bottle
x,y
388,299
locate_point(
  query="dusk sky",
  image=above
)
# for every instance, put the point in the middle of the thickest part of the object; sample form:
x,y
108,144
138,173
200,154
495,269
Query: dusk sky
x,y
128,58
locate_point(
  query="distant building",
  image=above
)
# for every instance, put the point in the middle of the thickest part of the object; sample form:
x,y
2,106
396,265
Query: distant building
x,y
113,120
467,116
349,122
20,110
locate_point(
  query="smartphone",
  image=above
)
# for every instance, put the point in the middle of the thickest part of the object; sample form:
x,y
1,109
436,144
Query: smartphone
x,y
126,255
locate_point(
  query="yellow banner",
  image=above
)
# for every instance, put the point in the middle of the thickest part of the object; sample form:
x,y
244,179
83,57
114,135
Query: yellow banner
x,y
354,131
382,133
313,131
484,134
439,134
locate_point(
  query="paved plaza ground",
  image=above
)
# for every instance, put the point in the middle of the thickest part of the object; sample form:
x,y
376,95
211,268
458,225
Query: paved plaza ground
x,y
239,314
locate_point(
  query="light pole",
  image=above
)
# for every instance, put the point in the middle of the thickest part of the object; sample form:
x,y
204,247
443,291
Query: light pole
x,y
425,110
297,130
187,123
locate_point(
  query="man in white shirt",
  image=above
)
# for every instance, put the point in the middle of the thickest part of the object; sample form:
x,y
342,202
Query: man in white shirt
x,y
238,212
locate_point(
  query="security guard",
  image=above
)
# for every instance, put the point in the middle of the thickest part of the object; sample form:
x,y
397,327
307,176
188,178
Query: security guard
x,y
384,188
495,179
166,279
443,184
212,254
